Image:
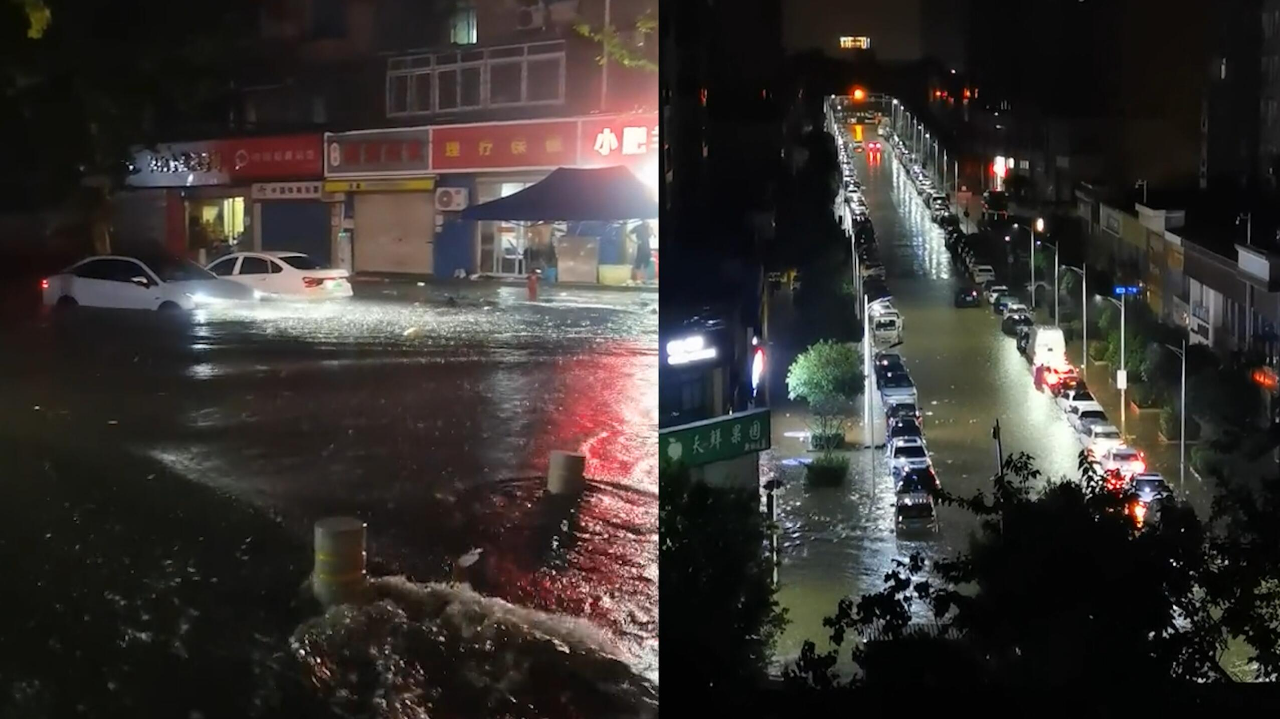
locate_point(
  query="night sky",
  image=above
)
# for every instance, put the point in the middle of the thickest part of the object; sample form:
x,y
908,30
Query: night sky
x,y
893,25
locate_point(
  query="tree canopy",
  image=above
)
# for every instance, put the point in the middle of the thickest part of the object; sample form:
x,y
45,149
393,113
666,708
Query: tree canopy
x,y
720,632
1061,586
88,79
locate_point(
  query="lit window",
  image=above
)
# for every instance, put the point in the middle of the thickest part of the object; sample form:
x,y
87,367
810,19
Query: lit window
x,y
462,25
855,42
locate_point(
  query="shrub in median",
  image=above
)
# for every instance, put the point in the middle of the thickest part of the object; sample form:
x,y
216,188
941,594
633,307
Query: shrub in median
x,y
1098,350
1146,395
1171,425
829,470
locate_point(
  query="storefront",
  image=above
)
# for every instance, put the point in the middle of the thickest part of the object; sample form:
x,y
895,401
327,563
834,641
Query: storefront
x,y
203,195
413,182
293,217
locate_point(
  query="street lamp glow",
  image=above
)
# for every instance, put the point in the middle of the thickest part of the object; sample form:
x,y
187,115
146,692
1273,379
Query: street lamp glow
x,y
1039,224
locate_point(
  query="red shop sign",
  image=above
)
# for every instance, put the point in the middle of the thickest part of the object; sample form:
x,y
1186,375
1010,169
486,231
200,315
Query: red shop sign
x,y
271,158
508,146
629,140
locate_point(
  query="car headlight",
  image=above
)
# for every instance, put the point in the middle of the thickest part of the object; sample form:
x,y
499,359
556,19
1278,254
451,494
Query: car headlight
x,y
201,299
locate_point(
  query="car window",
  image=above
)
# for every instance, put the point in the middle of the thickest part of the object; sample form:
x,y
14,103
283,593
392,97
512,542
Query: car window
x,y
174,269
93,270
224,267
1107,434
911,451
254,266
276,267
1083,396
118,270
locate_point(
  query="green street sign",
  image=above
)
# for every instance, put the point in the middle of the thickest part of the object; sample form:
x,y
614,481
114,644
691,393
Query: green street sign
x,y
715,440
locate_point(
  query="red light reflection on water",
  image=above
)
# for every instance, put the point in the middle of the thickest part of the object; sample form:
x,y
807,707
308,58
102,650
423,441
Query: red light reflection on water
x,y
599,562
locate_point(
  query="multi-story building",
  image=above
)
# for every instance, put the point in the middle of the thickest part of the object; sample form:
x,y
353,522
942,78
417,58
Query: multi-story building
x,y
722,142
1268,112
362,127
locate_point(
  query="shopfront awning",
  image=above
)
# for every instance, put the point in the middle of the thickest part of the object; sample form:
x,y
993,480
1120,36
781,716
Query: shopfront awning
x,y
607,194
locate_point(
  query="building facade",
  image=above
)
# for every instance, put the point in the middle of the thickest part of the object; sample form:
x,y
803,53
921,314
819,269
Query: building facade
x,y
411,111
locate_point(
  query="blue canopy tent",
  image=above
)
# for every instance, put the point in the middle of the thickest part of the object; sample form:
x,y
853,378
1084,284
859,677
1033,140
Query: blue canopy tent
x,y
607,194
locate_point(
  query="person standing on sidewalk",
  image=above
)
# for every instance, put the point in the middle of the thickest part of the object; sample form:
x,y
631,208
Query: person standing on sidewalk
x,y
644,251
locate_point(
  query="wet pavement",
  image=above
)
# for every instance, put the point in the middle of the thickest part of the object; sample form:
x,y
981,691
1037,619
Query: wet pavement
x,y
430,412
838,542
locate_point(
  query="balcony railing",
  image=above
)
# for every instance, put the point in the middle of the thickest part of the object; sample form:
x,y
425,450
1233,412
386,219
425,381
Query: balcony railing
x,y
531,74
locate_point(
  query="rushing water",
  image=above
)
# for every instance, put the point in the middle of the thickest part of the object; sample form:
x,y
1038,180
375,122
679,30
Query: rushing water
x,y
432,419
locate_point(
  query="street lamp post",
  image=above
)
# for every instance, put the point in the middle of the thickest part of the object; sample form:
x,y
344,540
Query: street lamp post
x,y
1084,308
866,376
1182,431
1143,185
1057,268
1124,373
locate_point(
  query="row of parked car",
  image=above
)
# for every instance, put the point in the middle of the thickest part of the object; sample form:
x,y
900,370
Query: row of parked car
x,y
166,283
915,479
1122,466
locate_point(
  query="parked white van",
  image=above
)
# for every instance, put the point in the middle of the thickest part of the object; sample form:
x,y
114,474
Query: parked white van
x,y
1047,347
886,328
983,273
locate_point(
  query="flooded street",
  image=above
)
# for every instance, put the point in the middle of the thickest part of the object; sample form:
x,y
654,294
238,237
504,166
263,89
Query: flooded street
x,y
429,416
837,542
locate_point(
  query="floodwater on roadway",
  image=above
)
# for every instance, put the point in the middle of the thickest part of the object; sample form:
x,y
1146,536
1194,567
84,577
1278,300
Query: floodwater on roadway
x,y
838,542
428,416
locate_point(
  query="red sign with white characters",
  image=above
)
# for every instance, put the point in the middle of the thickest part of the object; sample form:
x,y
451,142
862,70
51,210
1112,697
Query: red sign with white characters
x,y
504,146
630,140
229,162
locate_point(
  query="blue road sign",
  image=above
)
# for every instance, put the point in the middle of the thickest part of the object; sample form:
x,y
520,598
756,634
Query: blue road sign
x,y
1125,290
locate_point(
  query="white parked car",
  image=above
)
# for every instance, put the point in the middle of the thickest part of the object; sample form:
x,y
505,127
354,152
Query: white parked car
x,y
138,282
1126,460
994,292
1016,308
1084,413
1072,397
283,274
1099,438
908,453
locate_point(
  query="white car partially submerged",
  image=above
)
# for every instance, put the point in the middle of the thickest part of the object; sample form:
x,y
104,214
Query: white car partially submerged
x,y
140,282
283,274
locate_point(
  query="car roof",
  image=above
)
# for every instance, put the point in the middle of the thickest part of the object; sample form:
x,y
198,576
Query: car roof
x,y
1104,428
1124,449
1148,477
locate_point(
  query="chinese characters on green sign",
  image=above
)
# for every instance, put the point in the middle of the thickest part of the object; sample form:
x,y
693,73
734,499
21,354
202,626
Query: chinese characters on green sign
x,y
715,440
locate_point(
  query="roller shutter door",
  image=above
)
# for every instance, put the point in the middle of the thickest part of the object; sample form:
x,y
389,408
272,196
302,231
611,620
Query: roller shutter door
x,y
297,226
395,232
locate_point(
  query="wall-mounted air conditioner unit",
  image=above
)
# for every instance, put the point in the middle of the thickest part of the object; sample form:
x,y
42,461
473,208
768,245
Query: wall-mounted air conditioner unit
x,y
451,199
531,15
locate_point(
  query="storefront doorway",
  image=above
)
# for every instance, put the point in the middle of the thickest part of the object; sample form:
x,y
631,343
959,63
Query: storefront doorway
x,y
217,225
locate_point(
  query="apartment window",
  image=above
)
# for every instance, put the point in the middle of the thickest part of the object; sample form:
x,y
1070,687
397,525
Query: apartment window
x,y
462,25
328,19
510,76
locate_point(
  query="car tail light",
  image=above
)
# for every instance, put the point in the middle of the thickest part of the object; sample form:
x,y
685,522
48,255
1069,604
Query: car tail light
x,y
312,282
44,284
1139,511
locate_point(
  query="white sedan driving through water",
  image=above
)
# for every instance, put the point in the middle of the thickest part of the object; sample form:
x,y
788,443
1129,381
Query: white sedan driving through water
x,y
283,274
139,282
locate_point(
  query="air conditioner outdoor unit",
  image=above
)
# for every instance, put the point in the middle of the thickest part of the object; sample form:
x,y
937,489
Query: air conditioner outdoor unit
x,y
451,199
531,15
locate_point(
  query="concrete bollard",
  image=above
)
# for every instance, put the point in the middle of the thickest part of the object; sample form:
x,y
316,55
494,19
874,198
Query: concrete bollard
x,y
338,576
566,473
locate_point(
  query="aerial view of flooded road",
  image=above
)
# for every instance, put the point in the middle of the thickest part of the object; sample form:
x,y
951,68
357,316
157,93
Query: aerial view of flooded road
x,y
429,413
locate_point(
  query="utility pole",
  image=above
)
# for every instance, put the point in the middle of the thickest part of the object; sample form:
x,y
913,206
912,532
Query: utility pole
x,y
604,61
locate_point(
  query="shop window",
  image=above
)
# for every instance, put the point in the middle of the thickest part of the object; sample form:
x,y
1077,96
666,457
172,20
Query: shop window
x,y
217,224
506,83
